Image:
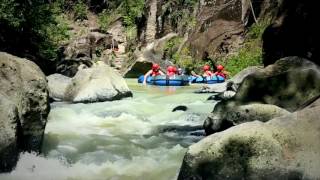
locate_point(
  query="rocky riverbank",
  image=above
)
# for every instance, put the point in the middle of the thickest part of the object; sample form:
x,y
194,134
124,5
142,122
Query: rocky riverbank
x,y
268,127
24,103
285,96
24,100
96,84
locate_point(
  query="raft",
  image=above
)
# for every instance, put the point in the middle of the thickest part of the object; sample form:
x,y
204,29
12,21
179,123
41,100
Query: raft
x,y
166,80
206,80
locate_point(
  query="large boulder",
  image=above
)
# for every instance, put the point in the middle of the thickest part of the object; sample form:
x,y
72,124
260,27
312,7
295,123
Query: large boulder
x,y
217,29
295,32
117,29
235,115
283,148
23,89
84,47
144,58
70,67
58,84
96,84
137,69
239,77
82,51
9,123
289,83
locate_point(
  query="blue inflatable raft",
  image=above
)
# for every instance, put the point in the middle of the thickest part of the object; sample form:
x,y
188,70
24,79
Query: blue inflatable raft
x,y
206,80
166,80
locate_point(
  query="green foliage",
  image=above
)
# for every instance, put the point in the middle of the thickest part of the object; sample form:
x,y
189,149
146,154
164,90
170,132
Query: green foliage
x,y
105,18
251,52
31,27
131,33
249,55
8,13
180,14
65,5
256,30
56,33
172,44
184,58
80,11
192,22
189,3
133,9
129,10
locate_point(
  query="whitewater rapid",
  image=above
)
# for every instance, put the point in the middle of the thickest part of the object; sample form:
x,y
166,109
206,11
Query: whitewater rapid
x,y
137,138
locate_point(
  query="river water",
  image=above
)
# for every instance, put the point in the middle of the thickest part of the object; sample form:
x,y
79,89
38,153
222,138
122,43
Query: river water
x,y
137,138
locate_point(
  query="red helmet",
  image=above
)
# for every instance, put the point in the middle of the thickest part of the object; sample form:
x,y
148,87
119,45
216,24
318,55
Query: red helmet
x,y
206,68
174,69
155,67
170,69
220,67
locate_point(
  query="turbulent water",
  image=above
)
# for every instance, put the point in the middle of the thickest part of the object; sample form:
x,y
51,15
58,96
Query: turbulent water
x,y
138,138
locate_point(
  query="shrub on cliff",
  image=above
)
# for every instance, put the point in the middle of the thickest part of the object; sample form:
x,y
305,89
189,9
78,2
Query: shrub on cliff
x,y
80,11
250,54
31,28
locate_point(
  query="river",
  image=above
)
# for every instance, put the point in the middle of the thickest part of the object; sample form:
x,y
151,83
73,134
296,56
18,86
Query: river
x,y
137,138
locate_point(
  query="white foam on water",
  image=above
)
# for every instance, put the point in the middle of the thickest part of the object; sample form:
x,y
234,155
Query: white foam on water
x,y
154,164
117,140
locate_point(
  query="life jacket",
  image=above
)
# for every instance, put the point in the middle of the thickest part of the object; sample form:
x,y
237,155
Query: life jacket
x,y
170,73
155,73
221,74
209,73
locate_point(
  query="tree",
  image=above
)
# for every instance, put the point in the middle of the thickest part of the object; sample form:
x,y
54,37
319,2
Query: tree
x,y
30,28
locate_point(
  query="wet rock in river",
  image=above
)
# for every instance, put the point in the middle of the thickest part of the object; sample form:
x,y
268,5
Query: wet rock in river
x,y
180,108
24,108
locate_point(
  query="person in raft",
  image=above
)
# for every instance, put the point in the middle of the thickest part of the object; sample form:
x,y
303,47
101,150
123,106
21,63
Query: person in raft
x,y
155,71
180,71
221,72
206,71
171,71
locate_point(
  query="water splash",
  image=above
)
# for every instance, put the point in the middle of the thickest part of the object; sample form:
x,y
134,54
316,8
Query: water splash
x,y
136,138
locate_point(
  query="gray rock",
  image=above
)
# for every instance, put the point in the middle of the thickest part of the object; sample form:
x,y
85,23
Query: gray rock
x,y
314,103
213,88
286,147
84,47
70,67
25,87
228,115
82,51
289,83
9,119
238,78
58,84
252,112
139,68
148,55
222,96
180,108
292,32
117,29
214,123
96,84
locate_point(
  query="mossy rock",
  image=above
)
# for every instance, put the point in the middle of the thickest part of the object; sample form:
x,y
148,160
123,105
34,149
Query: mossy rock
x,y
283,148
